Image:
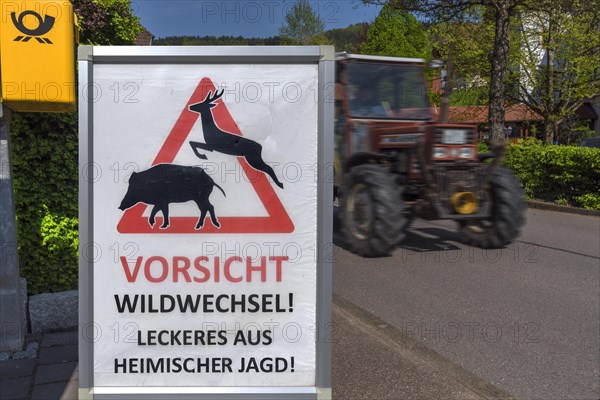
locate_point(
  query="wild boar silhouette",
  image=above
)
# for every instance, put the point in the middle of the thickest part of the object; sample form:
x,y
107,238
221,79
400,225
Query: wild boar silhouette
x,y
163,184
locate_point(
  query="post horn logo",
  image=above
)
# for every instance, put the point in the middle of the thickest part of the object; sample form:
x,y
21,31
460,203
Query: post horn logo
x,y
43,27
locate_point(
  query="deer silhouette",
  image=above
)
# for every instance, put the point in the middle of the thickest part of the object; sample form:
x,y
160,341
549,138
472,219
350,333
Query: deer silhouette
x,y
226,142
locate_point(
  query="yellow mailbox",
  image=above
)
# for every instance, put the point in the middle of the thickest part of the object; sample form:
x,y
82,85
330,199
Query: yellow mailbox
x,y
37,59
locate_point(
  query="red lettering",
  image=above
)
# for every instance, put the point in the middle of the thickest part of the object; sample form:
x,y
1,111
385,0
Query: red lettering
x,y
202,269
131,277
217,270
165,269
157,269
251,268
278,263
183,269
227,271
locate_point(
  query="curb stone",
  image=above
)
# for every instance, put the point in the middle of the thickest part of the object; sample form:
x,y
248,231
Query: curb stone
x,y
542,205
53,311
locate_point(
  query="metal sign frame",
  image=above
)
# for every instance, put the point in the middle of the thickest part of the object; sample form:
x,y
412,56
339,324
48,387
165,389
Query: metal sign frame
x,y
323,56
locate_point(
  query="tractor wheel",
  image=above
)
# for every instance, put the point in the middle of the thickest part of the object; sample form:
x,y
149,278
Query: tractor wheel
x,y
508,213
372,211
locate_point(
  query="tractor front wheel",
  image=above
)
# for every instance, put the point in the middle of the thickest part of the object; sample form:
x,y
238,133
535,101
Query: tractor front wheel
x,y
508,213
373,217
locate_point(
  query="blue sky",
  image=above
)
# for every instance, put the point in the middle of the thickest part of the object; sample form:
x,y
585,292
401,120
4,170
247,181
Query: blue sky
x,y
249,18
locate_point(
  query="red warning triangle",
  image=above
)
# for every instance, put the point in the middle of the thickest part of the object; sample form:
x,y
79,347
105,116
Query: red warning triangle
x,y
277,221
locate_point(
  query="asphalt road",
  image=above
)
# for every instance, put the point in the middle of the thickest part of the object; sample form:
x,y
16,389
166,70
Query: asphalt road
x,y
525,318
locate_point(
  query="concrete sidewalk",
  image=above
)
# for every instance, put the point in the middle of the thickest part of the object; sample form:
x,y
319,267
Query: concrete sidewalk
x,y
371,361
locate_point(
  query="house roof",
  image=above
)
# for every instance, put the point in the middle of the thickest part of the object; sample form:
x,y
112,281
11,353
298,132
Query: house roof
x,y
144,38
479,114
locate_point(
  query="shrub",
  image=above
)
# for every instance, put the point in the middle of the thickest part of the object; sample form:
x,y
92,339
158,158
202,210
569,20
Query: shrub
x,y
45,164
568,174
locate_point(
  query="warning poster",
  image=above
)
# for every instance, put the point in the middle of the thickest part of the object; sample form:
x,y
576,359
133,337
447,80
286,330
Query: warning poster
x,y
205,225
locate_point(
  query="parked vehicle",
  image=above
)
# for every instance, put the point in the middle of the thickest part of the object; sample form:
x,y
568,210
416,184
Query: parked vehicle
x,y
394,163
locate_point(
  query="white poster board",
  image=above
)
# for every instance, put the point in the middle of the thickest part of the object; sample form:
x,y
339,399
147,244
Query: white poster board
x,y
204,219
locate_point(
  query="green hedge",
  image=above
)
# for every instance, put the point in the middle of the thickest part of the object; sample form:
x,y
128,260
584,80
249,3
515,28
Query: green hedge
x,y
568,175
44,155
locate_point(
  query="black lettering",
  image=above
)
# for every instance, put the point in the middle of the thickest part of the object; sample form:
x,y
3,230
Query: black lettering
x,y
218,304
140,342
152,337
151,309
176,365
254,305
133,366
163,307
205,365
208,303
200,338
122,365
268,338
183,307
235,302
126,302
154,368
185,365
223,337
267,301
187,337
227,365
240,337
278,307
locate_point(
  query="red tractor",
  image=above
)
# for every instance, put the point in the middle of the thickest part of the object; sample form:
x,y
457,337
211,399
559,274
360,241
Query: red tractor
x,y
393,162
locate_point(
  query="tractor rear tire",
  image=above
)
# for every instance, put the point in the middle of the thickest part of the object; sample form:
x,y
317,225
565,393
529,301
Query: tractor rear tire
x,y
508,213
372,211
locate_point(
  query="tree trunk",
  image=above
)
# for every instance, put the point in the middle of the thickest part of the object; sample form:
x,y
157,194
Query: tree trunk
x,y
445,106
549,96
549,128
498,64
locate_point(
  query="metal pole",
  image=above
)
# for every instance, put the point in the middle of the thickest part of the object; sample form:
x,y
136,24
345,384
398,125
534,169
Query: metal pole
x,y
11,319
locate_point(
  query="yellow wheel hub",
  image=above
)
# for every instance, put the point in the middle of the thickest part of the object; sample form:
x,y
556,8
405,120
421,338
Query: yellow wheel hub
x,y
465,202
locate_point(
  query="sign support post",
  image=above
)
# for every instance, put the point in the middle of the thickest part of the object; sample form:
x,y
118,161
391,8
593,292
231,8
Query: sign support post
x,y
236,304
12,332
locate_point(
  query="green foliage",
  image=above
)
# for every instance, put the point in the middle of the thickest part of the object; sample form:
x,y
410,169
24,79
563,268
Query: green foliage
x,y
105,22
483,147
396,32
591,201
568,174
568,37
302,26
470,96
348,39
45,165
60,240
469,45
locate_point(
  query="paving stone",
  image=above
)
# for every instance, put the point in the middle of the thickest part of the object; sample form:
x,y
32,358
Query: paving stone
x,y
30,352
61,338
51,373
56,391
58,354
16,368
14,388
